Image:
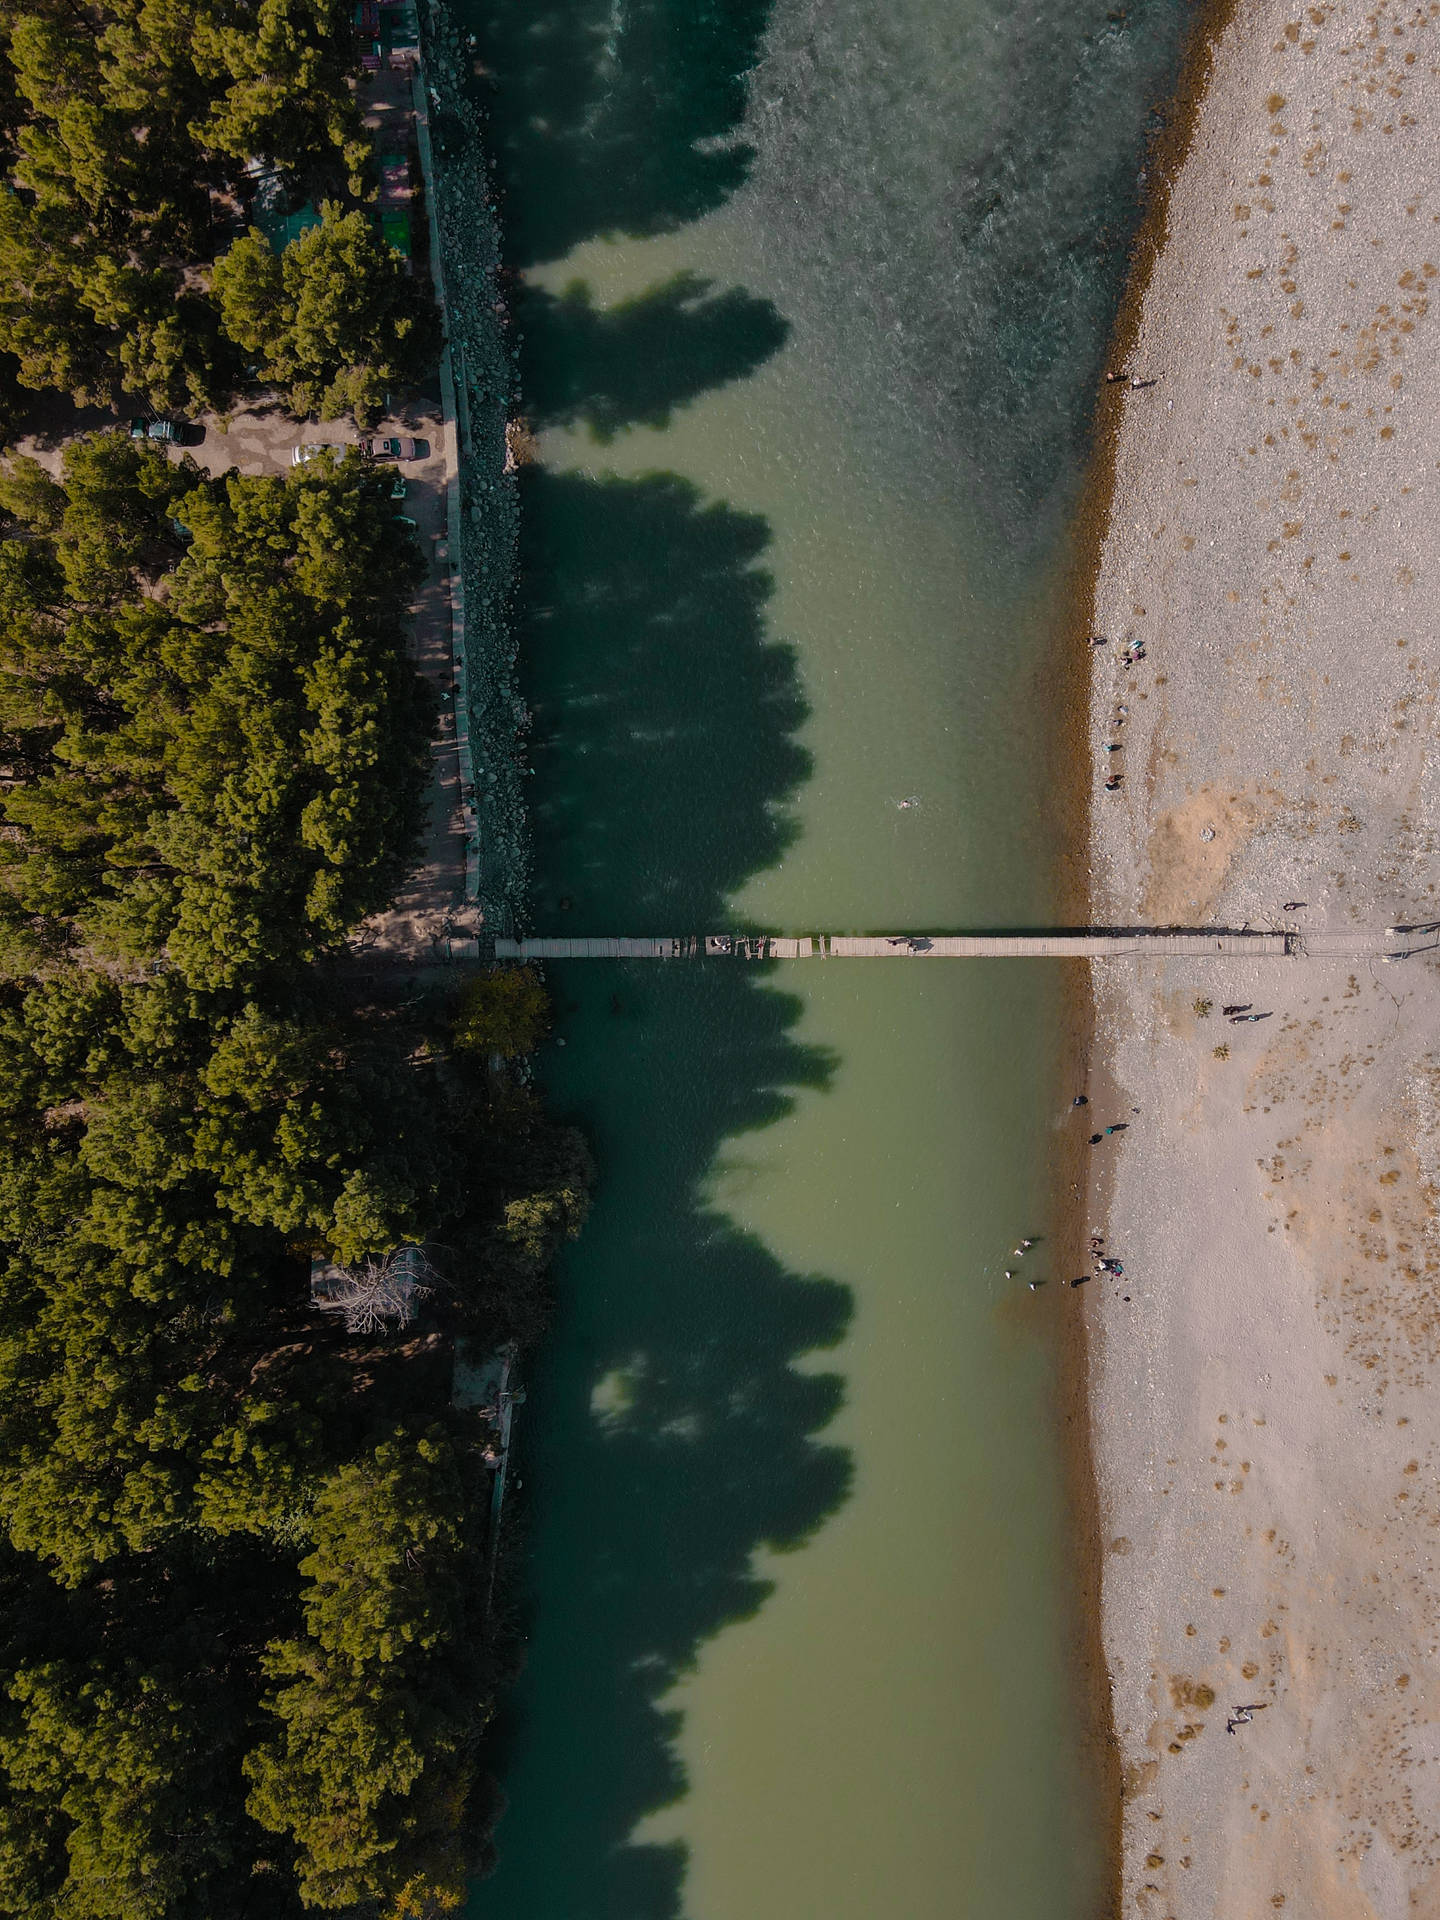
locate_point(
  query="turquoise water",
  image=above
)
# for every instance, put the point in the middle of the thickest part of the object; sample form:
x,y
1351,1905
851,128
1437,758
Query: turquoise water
x,y
814,304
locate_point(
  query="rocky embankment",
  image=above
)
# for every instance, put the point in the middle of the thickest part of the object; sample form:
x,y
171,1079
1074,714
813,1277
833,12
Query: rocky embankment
x,y
483,365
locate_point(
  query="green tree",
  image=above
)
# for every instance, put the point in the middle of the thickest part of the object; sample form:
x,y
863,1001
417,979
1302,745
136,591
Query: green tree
x,y
230,1530
116,1768
541,1188
218,756
366,1768
118,118
115,530
28,493
505,1010
276,78
334,321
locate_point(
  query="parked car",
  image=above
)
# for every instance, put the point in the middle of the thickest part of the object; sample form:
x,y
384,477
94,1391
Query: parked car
x,y
168,432
299,455
392,449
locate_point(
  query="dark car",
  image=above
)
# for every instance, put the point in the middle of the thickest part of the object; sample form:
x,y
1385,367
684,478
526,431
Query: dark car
x,y
170,433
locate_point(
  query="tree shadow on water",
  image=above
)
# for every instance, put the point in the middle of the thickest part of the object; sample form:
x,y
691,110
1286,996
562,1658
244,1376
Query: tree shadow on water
x,y
664,714
668,1429
633,364
670,1433
615,120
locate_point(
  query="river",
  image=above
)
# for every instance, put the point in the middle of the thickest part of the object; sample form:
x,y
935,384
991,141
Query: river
x,y
815,301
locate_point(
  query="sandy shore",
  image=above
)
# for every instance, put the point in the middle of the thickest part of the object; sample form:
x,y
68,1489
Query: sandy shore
x,y
1266,1401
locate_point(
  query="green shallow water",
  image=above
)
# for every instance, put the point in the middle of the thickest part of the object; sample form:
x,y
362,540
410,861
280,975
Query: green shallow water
x,y
810,354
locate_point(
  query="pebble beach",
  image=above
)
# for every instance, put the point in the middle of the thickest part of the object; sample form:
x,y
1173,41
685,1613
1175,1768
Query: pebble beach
x,y
1266,1404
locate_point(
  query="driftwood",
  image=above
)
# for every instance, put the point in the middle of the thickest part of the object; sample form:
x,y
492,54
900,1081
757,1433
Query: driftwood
x,y
381,1294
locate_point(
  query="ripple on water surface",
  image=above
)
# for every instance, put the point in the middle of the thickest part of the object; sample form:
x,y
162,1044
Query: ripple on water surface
x,y
815,301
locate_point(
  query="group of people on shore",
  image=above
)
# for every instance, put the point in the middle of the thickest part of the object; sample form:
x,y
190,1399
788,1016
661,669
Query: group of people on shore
x,y
1130,655
1101,1264
1134,651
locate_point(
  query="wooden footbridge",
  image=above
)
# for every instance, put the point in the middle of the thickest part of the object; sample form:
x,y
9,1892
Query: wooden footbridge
x,y
1392,943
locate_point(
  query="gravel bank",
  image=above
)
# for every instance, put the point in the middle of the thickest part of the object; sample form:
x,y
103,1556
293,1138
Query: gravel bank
x,y
1266,1403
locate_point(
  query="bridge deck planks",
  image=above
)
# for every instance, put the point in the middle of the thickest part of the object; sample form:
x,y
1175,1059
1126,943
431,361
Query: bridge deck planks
x,y
1007,946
